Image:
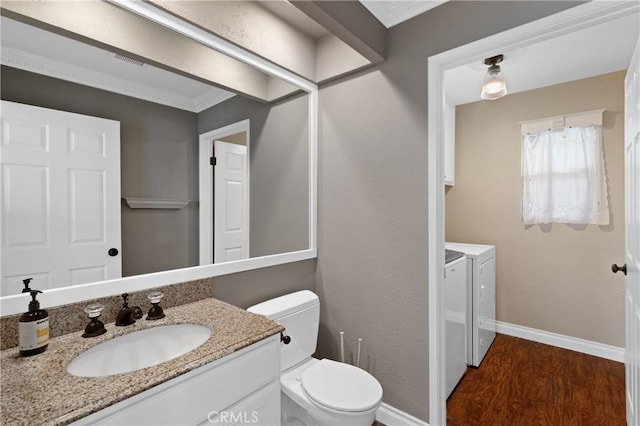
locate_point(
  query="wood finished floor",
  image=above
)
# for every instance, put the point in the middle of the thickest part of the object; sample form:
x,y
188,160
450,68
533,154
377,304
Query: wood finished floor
x,y
527,383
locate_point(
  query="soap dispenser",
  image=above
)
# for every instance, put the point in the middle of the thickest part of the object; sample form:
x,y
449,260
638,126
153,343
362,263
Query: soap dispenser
x,y
33,329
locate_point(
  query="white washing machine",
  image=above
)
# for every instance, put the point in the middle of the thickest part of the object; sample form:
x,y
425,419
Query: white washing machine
x,y
481,298
455,299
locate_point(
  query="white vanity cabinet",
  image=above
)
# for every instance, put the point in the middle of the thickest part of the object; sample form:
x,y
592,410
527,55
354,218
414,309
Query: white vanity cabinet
x,y
240,388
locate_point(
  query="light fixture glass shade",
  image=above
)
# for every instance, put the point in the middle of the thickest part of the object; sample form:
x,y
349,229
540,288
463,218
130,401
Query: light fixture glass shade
x,y
494,85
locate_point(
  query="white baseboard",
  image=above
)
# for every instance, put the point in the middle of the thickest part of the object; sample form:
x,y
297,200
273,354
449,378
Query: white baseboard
x,y
391,416
601,350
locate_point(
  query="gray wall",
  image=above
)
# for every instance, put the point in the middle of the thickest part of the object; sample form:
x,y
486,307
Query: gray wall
x,y
279,169
371,273
159,155
245,289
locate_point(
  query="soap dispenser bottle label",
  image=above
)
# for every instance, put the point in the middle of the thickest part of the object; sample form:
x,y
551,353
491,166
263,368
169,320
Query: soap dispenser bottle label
x,y
34,334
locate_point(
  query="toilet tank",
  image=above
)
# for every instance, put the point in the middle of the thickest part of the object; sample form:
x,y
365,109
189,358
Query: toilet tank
x,y
299,313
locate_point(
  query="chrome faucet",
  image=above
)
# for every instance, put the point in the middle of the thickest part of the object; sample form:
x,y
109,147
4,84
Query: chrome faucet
x,y
125,316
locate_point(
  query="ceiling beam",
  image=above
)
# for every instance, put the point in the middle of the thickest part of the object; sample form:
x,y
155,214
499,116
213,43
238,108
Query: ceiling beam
x,y
352,23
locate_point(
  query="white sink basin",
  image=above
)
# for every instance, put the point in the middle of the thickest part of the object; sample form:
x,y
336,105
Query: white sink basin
x,y
139,349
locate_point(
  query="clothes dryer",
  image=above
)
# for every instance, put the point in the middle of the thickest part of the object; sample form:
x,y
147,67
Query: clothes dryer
x,y
456,318
481,298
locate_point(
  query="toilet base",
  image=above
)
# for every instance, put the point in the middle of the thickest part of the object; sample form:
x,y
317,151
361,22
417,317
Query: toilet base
x,y
294,415
298,410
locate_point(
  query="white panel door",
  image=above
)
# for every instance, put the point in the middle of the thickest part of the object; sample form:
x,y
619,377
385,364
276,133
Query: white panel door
x,y
632,236
60,209
231,203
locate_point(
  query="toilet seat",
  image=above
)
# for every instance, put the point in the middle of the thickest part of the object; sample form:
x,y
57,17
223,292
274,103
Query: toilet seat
x,y
340,387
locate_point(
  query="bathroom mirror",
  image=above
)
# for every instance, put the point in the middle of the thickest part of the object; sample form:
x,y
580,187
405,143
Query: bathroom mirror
x,y
161,246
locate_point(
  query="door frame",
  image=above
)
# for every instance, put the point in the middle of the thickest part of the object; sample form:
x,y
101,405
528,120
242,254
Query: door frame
x,y
205,173
576,18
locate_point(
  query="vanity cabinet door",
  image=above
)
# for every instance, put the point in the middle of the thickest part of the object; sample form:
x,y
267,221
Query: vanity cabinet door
x,y
193,397
259,408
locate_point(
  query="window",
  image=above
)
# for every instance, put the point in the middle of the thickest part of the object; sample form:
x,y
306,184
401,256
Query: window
x,y
563,177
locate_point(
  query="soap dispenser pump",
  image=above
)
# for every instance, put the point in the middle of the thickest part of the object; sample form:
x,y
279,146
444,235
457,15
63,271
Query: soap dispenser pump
x,y
33,329
26,282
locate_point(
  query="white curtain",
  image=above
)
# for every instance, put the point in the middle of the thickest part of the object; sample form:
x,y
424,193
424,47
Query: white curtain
x,y
563,177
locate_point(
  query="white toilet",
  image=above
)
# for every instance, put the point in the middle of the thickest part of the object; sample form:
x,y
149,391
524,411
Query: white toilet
x,y
317,392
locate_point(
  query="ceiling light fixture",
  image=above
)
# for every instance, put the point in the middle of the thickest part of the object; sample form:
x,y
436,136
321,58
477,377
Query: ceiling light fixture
x,y
494,85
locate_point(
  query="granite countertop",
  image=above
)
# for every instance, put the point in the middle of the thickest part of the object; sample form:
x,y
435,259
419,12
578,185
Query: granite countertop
x,y
38,389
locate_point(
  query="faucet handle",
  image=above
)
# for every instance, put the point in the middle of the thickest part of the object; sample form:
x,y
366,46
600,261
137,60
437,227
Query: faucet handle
x,y
95,327
94,310
125,299
155,297
156,312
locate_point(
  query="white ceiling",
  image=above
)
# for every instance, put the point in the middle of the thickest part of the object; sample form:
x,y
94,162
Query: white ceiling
x,y
295,17
42,52
33,49
391,13
585,53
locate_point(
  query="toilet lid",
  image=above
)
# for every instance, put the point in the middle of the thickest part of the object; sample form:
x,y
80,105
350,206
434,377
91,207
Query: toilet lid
x,y
341,387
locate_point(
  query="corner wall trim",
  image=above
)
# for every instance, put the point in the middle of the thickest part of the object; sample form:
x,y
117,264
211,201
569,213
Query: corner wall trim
x,y
613,353
391,416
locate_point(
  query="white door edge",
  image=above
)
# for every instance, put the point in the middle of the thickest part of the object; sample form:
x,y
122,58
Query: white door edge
x,y
632,237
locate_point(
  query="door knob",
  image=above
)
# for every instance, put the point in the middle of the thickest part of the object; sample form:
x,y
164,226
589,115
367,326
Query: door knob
x,y
113,252
615,268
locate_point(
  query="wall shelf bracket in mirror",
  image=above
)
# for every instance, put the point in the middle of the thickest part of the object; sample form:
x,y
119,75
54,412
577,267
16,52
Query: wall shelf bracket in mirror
x,y
168,105
155,203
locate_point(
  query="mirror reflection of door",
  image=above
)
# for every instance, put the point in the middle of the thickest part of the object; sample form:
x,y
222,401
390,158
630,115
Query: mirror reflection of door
x,y
231,199
60,198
